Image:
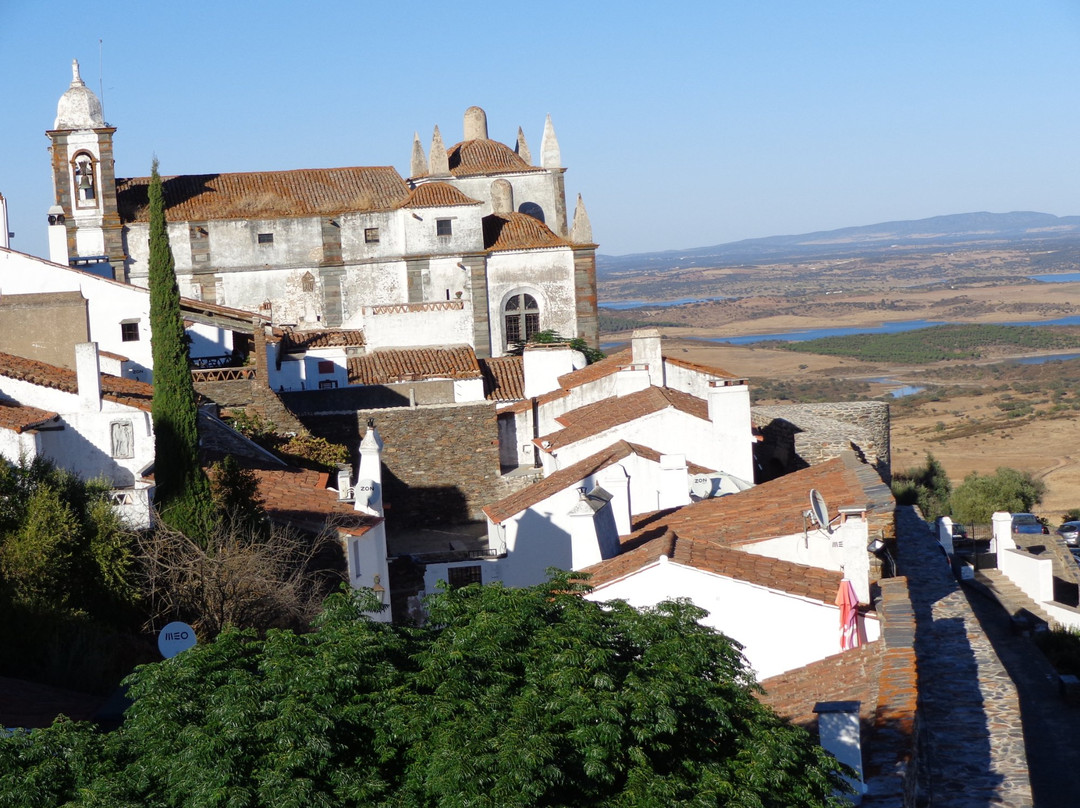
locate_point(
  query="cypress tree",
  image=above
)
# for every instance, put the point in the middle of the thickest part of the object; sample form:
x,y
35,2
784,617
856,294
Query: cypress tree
x,y
182,494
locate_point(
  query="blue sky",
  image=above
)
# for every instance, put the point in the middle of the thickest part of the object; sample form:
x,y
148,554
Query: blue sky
x,y
683,124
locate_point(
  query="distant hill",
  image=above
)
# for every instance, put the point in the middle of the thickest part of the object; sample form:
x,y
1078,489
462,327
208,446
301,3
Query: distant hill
x,y
962,229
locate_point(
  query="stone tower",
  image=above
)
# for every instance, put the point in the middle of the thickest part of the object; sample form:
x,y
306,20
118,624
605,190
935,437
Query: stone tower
x,y
84,179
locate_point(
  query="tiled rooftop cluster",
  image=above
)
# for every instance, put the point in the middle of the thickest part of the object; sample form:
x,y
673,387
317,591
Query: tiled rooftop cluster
x,y
266,194
438,195
413,364
504,378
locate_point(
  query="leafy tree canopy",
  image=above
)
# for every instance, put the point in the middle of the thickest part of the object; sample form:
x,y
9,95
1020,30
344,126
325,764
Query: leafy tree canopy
x,y
1007,489
927,486
550,337
522,697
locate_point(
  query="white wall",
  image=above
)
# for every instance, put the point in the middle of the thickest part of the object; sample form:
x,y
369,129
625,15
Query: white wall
x,y
84,446
108,303
436,323
668,431
778,631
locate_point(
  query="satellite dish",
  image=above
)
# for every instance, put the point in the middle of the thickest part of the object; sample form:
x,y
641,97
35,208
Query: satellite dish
x,y
174,638
363,491
701,486
819,510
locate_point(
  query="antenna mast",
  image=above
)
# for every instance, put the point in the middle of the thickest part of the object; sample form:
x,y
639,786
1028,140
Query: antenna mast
x,y
101,84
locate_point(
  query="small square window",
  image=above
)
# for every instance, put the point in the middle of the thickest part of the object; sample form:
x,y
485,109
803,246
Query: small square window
x,y
326,366
444,227
463,576
266,238
129,332
371,235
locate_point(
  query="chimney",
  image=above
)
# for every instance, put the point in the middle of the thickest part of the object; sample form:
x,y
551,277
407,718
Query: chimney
x,y
88,375
674,485
543,365
58,245
729,412
368,489
615,480
344,482
839,733
645,347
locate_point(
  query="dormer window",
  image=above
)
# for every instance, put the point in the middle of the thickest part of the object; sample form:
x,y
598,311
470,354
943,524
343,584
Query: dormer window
x,y
83,173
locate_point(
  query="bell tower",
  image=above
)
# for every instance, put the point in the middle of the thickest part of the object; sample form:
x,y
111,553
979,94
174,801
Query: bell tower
x,y
84,179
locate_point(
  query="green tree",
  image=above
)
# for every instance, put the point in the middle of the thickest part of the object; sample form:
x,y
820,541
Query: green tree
x,y
927,486
236,498
1007,489
66,577
524,697
182,492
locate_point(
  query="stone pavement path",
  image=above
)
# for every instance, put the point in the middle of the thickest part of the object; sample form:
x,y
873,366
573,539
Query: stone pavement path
x,y
971,739
1051,727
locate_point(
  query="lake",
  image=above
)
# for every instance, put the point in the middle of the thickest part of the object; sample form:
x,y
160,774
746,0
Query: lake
x,y
1057,277
887,328
622,305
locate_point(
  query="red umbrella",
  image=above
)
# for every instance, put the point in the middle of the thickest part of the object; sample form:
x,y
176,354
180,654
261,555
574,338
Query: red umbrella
x,y
848,602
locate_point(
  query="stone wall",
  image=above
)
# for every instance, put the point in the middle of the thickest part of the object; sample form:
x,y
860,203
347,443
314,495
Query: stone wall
x,y
795,436
440,463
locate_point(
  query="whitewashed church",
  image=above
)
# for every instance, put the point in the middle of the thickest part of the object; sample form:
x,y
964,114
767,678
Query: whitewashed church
x,y
474,248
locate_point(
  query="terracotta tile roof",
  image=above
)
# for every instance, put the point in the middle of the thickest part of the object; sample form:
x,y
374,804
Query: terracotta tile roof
x,y
300,497
114,388
576,378
782,576
518,231
301,341
414,364
707,369
846,676
593,419
504,378
471,157
597,370
775,508
437,195
19,418
558,480
266,194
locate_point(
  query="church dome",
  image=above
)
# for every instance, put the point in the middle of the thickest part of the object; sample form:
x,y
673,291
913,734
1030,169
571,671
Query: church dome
x,y
79,108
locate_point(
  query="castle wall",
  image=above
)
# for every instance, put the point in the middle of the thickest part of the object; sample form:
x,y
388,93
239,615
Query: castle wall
x,y
798,435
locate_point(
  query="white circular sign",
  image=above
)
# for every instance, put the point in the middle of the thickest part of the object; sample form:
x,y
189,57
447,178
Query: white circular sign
x,y
174,638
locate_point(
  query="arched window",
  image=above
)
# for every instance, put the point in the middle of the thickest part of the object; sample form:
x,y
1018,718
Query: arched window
x,y
522,318
532,209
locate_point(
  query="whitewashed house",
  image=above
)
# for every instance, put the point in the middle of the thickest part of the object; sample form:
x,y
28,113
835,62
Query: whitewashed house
x,y
94,425
765,573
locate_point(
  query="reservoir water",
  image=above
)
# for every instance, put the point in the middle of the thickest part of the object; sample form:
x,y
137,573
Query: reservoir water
x,y
887,328
1057,277
622,305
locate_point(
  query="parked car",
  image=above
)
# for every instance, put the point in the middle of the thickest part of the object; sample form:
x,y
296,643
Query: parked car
x,y
1026,523
1070,531
959,532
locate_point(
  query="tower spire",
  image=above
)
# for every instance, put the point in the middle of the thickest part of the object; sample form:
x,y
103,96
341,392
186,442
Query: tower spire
x,y
549,147
439,162
418,167
581,229
522,148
